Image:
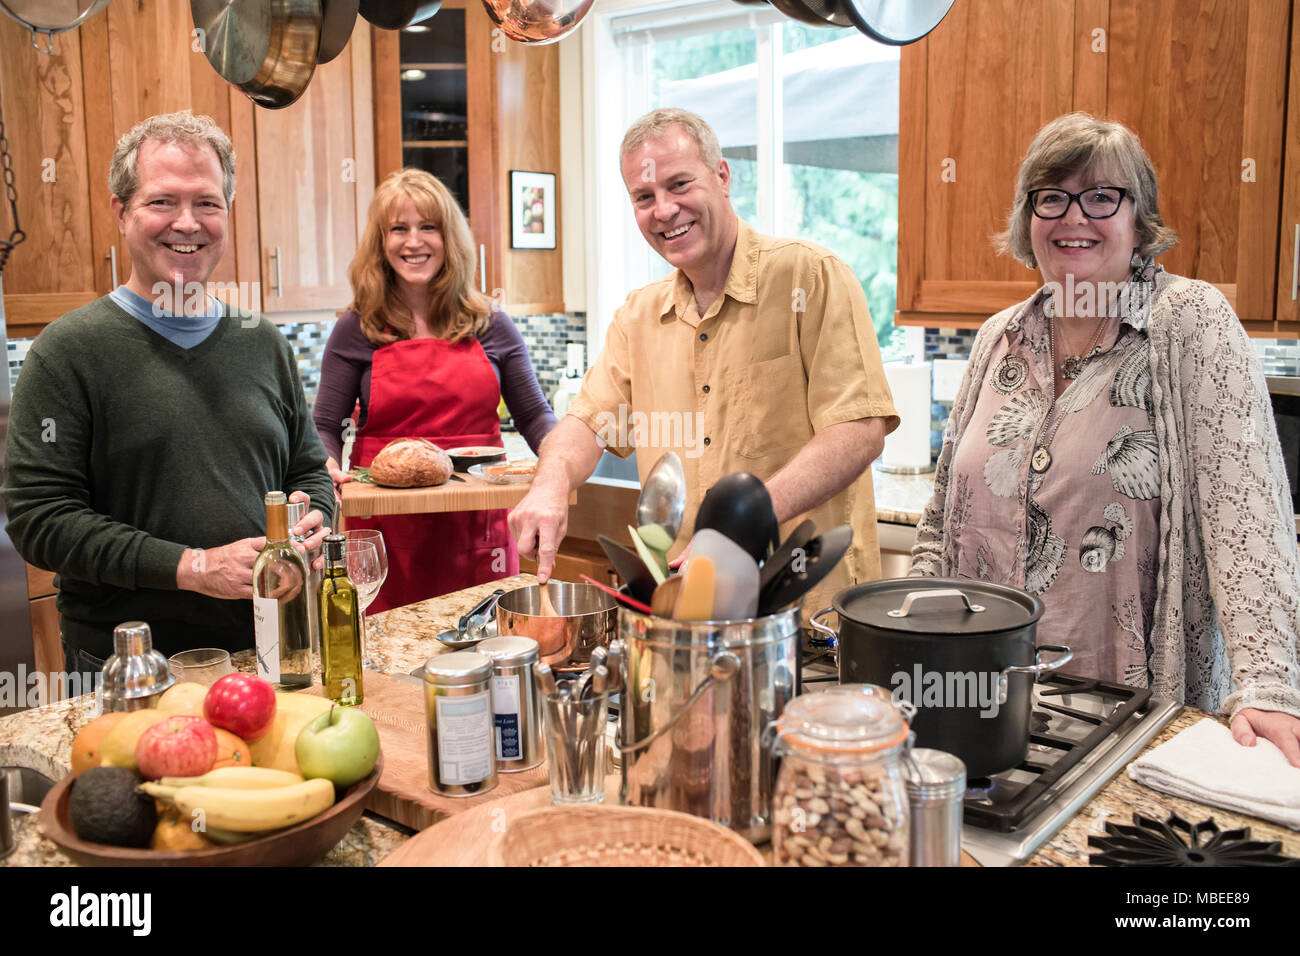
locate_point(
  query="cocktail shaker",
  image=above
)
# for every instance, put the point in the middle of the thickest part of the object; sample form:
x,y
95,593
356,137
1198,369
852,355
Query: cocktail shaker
x,y
136,673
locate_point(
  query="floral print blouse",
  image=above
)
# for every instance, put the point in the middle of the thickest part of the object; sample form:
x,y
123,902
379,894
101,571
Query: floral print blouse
x,y
1061,498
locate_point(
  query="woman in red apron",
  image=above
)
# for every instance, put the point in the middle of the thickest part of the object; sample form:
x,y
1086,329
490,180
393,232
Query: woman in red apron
x,y
423,356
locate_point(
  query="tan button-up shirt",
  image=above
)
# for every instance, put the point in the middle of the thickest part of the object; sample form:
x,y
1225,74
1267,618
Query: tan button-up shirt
x,y
787,350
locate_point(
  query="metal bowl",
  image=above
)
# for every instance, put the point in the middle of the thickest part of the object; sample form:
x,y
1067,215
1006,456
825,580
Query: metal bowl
x,y
537,21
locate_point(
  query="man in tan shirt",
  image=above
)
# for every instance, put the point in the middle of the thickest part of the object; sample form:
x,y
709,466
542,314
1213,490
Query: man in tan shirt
x,y
756,354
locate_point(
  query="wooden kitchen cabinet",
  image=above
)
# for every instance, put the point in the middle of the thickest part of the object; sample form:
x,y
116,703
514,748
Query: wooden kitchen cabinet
x,y
42,98
1288,266
1202,82
509,95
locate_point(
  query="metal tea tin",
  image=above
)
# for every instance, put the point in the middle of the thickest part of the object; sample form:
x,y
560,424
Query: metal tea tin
x,y
458,709
516,708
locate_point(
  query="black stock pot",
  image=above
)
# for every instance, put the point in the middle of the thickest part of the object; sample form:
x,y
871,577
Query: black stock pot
x,y
964,653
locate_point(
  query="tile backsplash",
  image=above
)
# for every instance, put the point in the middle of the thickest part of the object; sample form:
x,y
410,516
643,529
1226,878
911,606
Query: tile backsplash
x,y
545,335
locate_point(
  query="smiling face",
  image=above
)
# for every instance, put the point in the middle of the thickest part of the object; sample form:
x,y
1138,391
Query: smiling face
x,y
175,225
413,247
1090,250
682,206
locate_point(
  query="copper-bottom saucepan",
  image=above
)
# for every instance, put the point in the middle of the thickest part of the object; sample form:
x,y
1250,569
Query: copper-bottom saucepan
x,y
587,619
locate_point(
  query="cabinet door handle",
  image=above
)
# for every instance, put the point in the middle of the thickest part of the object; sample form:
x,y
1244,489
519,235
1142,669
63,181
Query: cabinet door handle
x,y
482,266
278,285
112,265
1295,265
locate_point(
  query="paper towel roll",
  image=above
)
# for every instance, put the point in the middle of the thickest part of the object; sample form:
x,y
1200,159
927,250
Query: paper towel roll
x,y
908,447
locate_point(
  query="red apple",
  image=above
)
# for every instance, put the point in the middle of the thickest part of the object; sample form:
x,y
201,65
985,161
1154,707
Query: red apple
x,y
243,704
177,747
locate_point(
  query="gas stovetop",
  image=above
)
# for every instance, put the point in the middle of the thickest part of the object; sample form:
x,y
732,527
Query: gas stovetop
x,y
1082,731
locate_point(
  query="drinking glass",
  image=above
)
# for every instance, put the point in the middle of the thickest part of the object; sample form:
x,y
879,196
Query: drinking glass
x,y
575,747
204,665
366,574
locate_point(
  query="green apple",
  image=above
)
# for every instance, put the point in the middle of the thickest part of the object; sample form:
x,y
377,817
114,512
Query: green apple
x,y
341,745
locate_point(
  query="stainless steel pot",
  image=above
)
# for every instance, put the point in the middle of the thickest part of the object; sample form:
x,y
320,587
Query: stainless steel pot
x,y
697,697
587,620
963,652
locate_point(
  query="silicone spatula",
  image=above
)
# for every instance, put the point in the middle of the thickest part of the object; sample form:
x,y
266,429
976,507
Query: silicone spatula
x,y
695,602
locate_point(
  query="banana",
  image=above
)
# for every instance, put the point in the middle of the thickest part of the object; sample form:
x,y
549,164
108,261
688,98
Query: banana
x,y
237,778
228,837
249,811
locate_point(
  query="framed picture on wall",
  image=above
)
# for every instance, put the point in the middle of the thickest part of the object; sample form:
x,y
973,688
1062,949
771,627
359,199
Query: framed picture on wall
x,y
533,210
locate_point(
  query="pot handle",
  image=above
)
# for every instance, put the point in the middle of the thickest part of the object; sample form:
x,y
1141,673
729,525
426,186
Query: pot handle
x,y
1042,668
830,633
724,667
925,595
483,608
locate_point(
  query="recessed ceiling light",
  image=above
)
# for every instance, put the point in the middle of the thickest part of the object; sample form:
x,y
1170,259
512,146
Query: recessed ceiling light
x,y
413,75
416,28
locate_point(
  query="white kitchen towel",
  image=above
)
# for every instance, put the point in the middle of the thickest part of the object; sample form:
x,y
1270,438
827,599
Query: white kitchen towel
x,y
1205,764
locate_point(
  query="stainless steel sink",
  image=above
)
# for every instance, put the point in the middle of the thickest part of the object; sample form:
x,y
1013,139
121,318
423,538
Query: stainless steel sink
x,y
27,788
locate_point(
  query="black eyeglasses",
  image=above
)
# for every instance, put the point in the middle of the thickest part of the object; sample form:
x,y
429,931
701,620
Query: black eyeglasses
x,y
1099,202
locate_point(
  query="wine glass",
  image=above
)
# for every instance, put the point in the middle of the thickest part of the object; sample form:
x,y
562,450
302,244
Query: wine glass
x,y
375,537
366,574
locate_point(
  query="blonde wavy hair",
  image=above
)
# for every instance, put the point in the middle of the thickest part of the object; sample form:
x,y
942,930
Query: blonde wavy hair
x,y
458,311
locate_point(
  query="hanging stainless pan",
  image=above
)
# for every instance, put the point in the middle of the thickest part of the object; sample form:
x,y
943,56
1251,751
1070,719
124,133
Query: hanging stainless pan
x,y
51,16
396,14
267,48
338,17
897,22
817,13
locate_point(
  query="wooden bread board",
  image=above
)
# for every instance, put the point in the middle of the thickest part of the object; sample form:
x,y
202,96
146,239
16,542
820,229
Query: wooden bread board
x,y
361,500
465,840
403,794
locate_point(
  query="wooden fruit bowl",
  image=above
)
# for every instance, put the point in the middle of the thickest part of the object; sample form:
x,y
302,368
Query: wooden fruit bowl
x,y
294,846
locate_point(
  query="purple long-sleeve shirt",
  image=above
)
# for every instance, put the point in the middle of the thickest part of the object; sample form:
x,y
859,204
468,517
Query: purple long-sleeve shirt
x,y
345,380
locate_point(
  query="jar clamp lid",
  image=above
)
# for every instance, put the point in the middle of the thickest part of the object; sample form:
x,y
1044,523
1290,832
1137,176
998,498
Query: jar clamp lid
x,y
845,720
457,669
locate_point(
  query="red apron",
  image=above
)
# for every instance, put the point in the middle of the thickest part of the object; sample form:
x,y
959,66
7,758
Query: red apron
x,y
448,393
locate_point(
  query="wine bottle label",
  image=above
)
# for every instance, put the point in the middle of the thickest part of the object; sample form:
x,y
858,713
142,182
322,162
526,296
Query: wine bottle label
x,y
505,716
464,739
266,630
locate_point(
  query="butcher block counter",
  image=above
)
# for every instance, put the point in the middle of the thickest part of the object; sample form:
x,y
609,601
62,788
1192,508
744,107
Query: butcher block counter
x,y
403,638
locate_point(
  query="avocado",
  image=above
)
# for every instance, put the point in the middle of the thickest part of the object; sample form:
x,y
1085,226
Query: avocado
x,y
105,808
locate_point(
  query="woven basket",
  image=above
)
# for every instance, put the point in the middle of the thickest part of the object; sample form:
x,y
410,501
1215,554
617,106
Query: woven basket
x,y
618,836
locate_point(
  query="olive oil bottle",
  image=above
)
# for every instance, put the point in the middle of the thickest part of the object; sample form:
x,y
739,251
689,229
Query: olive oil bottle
x,y
340,626
281,602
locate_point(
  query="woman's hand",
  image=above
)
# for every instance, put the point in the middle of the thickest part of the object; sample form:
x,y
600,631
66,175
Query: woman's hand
x,y
339,477
1282,729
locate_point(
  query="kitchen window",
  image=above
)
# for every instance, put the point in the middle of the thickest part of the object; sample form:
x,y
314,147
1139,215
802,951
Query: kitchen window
x,y
807,119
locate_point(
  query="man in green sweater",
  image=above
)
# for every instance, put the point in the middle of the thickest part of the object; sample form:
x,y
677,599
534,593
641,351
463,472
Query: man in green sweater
x,y
147,426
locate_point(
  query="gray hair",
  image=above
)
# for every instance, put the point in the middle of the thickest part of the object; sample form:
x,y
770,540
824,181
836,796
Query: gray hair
x,y
183,127
1080,142
658,122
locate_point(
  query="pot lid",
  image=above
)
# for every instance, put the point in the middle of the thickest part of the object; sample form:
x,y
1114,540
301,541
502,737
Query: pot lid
x,y
938,606
855,718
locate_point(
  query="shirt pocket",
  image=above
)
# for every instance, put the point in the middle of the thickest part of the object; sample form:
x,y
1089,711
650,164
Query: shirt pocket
x,y
768,408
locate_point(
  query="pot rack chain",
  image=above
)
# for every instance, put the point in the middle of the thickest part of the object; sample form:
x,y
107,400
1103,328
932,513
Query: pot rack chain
x,y
11,193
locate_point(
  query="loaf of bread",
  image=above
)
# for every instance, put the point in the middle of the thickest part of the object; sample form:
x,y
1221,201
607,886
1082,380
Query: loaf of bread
x,y
410,463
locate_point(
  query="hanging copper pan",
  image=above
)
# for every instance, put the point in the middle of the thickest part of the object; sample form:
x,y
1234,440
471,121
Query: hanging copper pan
x,y
267,48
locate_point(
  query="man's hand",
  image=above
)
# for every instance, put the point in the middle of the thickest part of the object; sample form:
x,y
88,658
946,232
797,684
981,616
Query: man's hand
x,y
313,522
567,458
225,572
1282,729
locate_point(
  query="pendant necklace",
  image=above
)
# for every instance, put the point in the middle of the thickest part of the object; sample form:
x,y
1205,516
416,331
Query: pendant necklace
x,y
1072,367
1073,364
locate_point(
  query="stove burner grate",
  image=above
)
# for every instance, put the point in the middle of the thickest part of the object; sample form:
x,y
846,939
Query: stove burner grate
x,y
1008,799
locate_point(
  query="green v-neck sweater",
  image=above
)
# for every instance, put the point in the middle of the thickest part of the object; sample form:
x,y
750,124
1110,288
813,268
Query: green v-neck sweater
x,y
125,449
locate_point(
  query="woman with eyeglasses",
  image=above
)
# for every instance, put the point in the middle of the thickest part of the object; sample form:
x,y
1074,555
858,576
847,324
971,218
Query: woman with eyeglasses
x,y
1112,450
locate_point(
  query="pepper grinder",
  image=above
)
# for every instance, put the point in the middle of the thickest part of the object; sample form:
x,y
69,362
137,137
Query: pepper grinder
x,y
135,674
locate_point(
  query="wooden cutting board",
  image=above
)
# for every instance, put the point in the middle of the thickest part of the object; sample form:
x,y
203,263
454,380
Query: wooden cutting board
x,y
472,494
403,794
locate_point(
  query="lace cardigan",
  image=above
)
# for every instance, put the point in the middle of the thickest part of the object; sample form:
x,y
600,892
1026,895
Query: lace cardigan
x,y
1228,584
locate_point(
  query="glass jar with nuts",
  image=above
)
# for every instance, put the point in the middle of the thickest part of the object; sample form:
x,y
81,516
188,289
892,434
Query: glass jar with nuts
x,y
841,799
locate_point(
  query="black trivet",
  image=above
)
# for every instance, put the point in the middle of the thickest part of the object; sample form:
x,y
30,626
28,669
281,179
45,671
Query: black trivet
x,y
1153,843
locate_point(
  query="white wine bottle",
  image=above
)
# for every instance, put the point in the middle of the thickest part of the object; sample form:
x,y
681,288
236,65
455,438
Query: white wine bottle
x,y
281,603
340,626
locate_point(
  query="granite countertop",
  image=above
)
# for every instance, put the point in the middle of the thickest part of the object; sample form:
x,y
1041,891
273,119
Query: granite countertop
x,y
901,499
400,639
403,638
